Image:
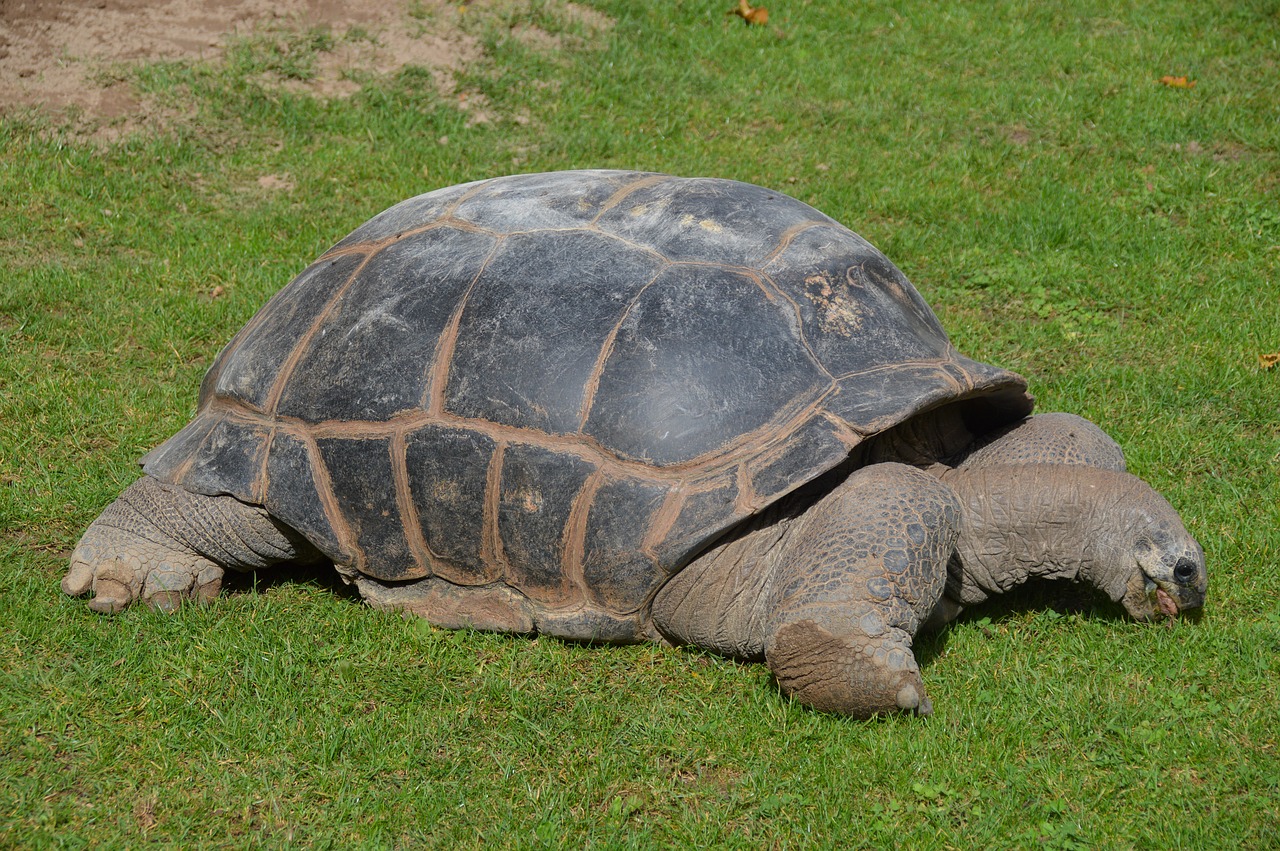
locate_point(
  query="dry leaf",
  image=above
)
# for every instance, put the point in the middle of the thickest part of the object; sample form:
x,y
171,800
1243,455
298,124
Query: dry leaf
x,y
217,291
1177,82
1268,361
759,15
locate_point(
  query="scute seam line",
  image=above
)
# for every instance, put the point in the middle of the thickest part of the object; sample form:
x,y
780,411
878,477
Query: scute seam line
x,y
409,519
304,342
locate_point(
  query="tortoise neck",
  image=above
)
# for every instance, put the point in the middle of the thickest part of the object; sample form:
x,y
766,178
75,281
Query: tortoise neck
x,y
1031,521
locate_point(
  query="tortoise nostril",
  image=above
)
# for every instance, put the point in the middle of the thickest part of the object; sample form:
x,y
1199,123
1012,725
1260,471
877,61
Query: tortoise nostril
x,y
1184,572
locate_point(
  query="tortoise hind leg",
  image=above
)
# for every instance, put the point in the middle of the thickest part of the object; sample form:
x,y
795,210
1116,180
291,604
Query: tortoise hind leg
x,y
863,569
162,544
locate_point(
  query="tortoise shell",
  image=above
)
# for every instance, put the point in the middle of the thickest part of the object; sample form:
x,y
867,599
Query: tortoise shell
x,y
566,384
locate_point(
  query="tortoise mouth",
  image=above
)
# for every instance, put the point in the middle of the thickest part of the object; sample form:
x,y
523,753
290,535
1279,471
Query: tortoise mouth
x,y
1160,600
1146,599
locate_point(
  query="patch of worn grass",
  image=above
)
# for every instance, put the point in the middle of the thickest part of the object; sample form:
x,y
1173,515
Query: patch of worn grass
x,y
286,53
1114,239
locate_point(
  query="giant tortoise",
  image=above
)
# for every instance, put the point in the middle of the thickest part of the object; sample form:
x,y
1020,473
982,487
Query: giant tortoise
x,y
618,406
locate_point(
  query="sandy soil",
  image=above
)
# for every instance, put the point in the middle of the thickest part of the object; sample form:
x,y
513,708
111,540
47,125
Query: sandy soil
x,y
63,56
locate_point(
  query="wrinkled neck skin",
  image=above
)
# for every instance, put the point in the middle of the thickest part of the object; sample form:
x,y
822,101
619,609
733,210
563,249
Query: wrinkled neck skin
x,y
1037,521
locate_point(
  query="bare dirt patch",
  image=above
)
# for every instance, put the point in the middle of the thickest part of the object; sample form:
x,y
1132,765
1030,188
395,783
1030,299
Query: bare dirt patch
x,y
64,57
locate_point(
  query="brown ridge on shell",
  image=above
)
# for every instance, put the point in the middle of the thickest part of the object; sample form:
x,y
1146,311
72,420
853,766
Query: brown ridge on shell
x,y
573,545
788,236
491,538
747,501
621,195
263,484
581,445
332,511
847,434
593,380
180,472
894,367
662,520
438,374
426,560
464,198
795,309
300,348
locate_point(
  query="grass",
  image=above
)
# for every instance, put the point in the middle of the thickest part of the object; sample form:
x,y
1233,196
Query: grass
x,y
1116,240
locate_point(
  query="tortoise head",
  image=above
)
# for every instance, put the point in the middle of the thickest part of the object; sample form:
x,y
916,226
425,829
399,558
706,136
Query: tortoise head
x,y
1165,564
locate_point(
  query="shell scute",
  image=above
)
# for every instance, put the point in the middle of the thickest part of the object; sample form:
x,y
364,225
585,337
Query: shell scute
x,y
410,214
448,473
552,201
803,456
229,461
539,490
169,460
708,221
368,501
618,574
699,518
250,367
703,357
856,309
293,491
873,398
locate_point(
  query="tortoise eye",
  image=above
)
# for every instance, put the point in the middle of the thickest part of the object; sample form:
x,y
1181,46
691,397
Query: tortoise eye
x,y
1184,572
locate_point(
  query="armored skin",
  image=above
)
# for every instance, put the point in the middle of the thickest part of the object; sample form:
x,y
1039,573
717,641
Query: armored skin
x,y
618,406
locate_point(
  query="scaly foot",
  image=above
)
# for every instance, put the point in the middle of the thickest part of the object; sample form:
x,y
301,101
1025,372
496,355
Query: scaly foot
x,y
161,545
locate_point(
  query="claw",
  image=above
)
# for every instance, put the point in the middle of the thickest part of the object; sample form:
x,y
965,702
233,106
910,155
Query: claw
x,y
166,586
79,578
208,584
109,597
910,699
116,584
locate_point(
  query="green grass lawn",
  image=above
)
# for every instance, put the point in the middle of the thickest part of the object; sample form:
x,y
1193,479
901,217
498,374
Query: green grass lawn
x,y
1114,239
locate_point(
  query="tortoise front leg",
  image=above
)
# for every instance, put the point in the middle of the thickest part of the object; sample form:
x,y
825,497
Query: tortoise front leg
x,y
830,596
861,571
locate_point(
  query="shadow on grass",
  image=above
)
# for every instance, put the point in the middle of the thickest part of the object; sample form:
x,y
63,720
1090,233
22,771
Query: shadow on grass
x,y
1037,595
1063,597
321,574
